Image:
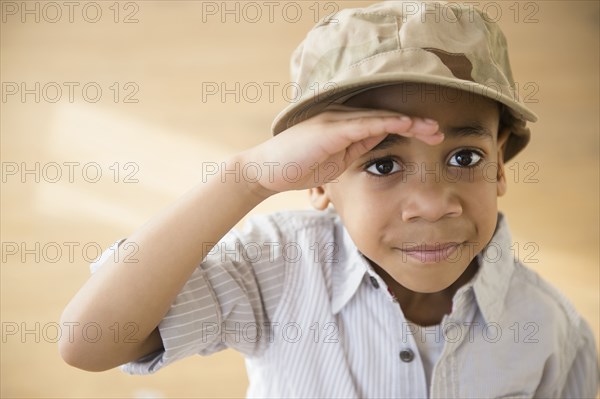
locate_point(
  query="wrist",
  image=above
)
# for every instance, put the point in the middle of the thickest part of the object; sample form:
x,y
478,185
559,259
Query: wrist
x,y
249,176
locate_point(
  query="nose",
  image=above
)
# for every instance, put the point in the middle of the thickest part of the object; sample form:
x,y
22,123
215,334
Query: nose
x,y
430,199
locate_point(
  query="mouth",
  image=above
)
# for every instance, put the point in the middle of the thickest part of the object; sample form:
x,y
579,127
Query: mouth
x,y
430,253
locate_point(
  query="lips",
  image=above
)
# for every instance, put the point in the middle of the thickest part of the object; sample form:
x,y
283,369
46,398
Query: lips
x,y
430,253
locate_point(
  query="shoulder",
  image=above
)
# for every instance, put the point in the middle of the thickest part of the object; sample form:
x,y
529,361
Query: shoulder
x,y
528,295
531,299
291,223
556,327
306,218
527,286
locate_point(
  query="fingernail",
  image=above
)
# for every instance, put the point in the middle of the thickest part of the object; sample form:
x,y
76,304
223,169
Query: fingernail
x,y
404,118
430,121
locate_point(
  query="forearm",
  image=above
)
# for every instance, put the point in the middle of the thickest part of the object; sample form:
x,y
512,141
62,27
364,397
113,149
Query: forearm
x,y
169,248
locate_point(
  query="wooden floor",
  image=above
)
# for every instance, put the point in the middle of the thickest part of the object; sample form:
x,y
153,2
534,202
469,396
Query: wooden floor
x,y
119,119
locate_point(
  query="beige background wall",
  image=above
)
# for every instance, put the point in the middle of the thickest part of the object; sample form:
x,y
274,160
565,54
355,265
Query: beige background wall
x,y
150,144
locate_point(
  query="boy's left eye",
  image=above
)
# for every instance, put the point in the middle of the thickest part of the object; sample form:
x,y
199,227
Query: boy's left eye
x,y
465,158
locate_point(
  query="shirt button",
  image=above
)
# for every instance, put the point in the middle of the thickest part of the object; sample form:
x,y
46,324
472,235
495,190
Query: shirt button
x,y
374,281
407,355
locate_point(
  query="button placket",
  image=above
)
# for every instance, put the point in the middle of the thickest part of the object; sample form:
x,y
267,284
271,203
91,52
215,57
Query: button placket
x,y
408,359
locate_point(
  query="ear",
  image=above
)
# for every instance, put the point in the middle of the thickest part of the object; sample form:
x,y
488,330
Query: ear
x,y
319,198
503,135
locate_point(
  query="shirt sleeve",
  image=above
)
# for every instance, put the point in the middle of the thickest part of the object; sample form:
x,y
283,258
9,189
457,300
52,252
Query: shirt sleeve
x,y
583,378
226,302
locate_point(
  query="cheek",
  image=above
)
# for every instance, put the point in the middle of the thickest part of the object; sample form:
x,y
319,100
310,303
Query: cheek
x,y
480,194
365,212
480,204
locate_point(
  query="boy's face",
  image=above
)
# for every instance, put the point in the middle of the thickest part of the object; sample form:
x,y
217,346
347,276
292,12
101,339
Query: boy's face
x,y
422,212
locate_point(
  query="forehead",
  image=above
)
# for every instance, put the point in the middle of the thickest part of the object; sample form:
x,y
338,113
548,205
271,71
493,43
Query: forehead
x,y
474,130
447,105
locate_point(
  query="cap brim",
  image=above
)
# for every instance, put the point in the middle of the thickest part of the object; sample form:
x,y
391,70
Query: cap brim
x,y
309,106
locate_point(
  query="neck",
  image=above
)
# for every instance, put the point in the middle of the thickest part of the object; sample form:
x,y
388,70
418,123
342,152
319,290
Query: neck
x,y
426,309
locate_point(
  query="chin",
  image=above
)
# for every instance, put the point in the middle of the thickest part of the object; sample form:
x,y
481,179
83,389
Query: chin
x,y
429,278
426,288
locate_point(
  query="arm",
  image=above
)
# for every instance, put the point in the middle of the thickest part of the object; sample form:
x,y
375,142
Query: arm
x,y
170,246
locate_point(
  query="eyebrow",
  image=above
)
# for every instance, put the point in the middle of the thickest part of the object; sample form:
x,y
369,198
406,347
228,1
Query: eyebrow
x,y
473,130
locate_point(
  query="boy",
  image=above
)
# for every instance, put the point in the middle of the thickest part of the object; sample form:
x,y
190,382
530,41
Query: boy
x,y
402,282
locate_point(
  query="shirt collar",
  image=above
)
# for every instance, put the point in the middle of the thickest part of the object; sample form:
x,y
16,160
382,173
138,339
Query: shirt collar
x,y
350,271
492,280
490,284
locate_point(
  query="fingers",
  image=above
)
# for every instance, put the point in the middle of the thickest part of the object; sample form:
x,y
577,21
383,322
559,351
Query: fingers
x,y
336,112
426,130
369,122
431,139
359,128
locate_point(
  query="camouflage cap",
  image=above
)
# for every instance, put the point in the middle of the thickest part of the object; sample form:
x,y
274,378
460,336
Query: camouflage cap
x,y
394,42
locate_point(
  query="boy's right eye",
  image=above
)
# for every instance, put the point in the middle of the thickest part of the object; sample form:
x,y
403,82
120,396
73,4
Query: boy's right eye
x,y
383,167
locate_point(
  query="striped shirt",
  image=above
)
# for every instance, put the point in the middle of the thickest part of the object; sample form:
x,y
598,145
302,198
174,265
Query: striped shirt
x,y
292,293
